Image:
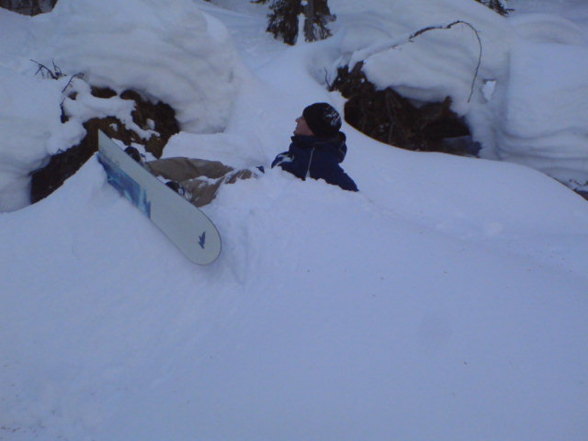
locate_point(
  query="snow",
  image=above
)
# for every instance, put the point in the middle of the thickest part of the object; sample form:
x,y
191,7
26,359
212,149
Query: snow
x,y
549,137
168,50
536,62
25,129
452,54
446,300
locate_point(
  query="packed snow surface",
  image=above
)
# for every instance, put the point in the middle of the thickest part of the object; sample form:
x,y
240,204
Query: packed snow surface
x,y
447,300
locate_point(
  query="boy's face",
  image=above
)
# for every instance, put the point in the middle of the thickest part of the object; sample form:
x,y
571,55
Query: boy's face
x,y
302,127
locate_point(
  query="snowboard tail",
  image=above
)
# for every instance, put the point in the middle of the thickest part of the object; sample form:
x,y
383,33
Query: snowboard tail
x,y
186,226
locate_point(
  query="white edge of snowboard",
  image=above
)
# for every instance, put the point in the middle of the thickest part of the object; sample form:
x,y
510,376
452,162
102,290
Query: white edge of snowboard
x,y
191,231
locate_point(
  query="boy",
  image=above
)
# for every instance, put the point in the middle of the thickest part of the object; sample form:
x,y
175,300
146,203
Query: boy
x,y
317,149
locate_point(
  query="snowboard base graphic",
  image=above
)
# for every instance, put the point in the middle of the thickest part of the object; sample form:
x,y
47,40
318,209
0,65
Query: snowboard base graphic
x,y
186,226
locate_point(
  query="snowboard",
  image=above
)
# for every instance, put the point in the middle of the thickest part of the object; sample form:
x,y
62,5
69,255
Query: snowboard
x,y
186,226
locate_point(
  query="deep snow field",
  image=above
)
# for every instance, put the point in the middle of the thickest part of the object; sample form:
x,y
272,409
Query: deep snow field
x,y
446,301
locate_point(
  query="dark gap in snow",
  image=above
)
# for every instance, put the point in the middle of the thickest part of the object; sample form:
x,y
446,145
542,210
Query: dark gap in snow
x,y
387,116
582,193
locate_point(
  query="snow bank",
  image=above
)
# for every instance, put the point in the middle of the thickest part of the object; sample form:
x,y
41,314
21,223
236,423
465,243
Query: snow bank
x,y
444,301
437,63
169,51
360,316
28,115
528,101
572,10
545,110
548,28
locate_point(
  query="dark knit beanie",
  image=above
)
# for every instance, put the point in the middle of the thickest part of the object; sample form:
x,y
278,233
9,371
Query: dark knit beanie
x,y
322,119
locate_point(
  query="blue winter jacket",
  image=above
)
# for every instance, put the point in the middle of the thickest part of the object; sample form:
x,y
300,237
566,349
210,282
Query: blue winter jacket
x,y
318,158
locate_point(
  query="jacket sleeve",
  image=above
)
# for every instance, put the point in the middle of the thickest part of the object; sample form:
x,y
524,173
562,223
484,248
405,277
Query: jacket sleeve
x,y
281,158
336,175
341,152
294,161
346,183
342,147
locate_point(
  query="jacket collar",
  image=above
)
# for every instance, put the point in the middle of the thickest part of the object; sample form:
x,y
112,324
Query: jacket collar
x,y
304,141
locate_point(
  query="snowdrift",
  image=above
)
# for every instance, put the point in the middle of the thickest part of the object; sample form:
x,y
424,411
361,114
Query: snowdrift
x,y
169,51
521,82
446,300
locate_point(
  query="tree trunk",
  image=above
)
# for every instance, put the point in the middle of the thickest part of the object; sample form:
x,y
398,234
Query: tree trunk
x,y
317,15
283,21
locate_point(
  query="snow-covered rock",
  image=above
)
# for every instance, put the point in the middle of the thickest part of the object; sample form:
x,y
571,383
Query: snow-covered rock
x,y
168,50
526,102
165,50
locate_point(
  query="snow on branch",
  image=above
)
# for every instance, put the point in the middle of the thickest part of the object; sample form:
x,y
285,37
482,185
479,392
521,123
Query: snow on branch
x,y
363,54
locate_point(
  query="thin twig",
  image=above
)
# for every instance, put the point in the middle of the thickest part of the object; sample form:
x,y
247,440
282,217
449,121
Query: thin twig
x,y
78,75
54,74
449,26
364,54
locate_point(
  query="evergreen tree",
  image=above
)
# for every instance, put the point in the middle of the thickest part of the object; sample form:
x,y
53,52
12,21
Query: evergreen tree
x,y
28,7
283,20
317,15
495,5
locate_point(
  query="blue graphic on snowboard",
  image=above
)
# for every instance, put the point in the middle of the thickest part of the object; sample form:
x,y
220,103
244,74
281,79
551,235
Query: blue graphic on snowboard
x,y
126,185
188,228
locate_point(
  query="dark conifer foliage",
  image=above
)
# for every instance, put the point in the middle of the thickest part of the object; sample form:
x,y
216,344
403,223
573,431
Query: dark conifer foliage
x,y
317,16
283,20
495,5
28,7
